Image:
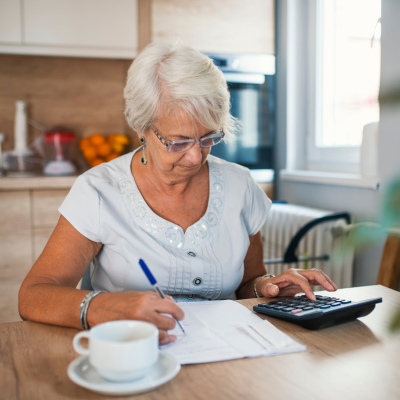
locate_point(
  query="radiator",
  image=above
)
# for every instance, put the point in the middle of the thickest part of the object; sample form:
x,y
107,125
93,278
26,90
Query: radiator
x,y
283,223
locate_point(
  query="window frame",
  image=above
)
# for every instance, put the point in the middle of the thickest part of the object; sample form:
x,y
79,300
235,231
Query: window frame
x,y
332,158
307,25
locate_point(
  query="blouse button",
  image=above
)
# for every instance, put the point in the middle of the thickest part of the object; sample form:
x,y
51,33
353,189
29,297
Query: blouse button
x,y
197,281
189,296
191,254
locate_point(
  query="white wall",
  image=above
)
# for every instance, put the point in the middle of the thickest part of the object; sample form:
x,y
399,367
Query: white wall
x,y
363,204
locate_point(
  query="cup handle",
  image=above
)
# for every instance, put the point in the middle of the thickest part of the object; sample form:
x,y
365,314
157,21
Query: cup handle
x,y
76,342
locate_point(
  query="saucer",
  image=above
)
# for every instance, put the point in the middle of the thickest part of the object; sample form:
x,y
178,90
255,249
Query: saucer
x,y
83,374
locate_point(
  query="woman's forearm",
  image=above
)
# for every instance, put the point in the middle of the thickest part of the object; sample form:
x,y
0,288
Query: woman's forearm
x,y
51,304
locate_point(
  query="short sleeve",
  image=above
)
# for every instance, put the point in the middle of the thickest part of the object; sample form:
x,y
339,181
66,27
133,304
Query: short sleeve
x,y
81,208
257,206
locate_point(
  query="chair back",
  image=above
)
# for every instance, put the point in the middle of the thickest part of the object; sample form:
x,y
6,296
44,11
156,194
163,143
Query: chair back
x,y
389,269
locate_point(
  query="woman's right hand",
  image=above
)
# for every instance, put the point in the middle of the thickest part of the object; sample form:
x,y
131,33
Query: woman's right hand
x,y
143,306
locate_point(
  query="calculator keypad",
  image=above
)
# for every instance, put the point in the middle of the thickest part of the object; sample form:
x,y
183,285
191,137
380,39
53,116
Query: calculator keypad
x,y
320,313
303,303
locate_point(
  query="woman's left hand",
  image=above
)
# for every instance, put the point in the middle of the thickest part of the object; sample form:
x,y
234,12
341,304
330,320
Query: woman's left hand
x,y
293,281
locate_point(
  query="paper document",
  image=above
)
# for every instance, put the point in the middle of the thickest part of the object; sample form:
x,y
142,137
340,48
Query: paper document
x,y
225,330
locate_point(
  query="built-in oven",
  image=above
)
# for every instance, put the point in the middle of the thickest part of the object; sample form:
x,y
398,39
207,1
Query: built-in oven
x,y
251,83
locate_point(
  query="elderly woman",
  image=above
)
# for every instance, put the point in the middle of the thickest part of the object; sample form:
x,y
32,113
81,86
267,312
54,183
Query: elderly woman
x,y
195,219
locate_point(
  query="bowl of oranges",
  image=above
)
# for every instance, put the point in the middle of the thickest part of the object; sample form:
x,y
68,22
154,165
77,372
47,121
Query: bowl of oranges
x,y
98,148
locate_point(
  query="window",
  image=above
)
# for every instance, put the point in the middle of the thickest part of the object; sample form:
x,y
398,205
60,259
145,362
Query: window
x,y
335,45
347,66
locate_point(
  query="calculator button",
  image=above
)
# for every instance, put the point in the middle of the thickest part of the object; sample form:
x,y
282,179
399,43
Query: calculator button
x,y
296,311
287,309
338,303
308,308
325,306
345,301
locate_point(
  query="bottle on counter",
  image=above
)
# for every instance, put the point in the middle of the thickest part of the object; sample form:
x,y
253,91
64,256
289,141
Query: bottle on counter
x,y
22,160
2,170
21,129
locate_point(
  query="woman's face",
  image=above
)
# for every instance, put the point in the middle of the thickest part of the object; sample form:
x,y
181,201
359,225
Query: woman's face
x,y
176,126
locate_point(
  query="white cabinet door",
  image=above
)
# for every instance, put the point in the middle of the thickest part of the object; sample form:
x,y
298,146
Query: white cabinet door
x,y
99,23
83,28
10,21
216,26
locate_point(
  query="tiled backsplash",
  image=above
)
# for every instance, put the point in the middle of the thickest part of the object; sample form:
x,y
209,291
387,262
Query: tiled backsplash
x,y
81,94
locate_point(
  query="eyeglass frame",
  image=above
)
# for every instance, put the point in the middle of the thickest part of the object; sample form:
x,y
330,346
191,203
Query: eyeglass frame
x,y
169,143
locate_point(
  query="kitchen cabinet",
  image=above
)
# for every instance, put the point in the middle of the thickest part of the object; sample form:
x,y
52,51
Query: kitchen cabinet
x,y
15,249
84,28
223,26
28,215
119,29
10,22
44,216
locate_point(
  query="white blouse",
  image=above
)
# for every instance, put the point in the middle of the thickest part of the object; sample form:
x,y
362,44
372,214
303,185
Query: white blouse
x,y
205,262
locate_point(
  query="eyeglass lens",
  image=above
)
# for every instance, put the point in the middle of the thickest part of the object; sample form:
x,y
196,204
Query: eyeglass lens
x,y
184,145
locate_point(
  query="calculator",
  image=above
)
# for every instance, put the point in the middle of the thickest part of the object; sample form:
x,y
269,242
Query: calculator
x,y
320,313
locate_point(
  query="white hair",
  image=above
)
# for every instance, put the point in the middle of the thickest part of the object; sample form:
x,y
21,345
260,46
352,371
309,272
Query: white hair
x,y
164,78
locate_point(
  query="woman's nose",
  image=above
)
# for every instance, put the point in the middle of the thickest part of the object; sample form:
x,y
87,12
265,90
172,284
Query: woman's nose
x,y
195,154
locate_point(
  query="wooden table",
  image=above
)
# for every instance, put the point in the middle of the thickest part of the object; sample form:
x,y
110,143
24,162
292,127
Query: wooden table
x,y
356,360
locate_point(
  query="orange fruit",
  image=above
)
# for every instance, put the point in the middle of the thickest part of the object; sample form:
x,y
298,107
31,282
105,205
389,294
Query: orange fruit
x,y
85,142
103,149
98,148
95,162
89,152
120,138
118,147
97,139
111,156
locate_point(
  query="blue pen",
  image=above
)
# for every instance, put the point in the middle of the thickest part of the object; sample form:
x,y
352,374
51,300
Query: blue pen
x,y
153,283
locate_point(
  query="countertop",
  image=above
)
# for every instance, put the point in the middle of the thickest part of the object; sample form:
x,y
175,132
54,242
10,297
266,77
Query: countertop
x,y
31,182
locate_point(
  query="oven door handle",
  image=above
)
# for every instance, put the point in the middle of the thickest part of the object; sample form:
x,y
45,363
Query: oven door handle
x,y
235,77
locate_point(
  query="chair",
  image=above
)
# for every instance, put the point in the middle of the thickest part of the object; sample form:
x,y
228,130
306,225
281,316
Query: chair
x,y
389,269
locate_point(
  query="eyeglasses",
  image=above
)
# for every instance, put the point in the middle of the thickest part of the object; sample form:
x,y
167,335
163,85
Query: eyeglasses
x,y
179,146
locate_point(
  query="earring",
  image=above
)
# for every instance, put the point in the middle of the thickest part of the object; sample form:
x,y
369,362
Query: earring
x,y
143,160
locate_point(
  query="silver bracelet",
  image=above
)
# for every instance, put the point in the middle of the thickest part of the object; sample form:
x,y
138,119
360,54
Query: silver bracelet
x,y
255,283
84,308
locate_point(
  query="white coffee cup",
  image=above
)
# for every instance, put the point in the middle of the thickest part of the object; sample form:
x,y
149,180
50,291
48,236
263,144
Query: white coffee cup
x,y
120,350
